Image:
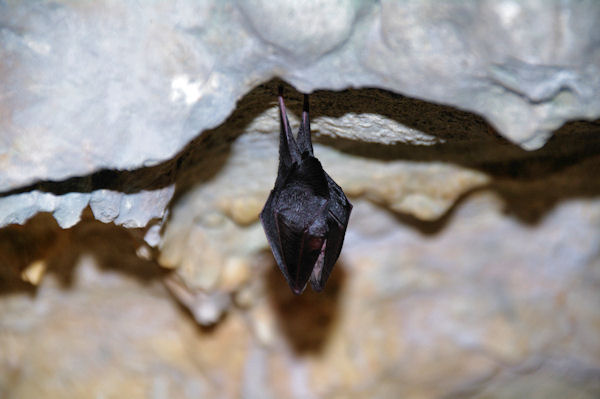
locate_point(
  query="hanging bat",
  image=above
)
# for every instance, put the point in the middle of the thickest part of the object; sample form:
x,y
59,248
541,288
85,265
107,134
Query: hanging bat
x,y
306,214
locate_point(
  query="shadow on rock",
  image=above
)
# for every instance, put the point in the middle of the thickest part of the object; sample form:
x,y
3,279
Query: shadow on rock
x,y
59,251
305,320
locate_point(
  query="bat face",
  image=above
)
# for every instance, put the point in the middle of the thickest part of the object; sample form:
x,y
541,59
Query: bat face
x,y
306,214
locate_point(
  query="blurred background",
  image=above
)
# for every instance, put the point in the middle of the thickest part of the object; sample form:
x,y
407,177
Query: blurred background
x,y
467,271
138,145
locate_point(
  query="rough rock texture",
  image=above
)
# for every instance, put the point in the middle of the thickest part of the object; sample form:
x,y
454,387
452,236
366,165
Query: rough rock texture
x,y
484,304
471,267
113,85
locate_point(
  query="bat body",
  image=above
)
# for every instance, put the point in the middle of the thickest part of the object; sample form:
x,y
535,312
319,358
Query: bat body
x,y
306,214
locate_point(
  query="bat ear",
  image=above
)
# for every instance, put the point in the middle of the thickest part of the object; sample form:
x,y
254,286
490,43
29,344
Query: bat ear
x,y
304,141
288,149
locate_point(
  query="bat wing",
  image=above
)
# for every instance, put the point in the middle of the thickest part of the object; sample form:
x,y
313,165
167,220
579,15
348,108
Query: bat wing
x,y
295,221
267,218
338,214
300,253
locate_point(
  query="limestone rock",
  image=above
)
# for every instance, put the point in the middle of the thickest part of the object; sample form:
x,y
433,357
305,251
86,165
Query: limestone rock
x,y
119,87
488,304
139,142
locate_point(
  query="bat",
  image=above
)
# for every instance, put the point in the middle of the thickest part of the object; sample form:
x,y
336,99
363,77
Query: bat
x,y
306,214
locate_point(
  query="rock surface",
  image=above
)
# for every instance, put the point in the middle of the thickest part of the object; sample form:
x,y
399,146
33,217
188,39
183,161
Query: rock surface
x,y
115,86
471,266
484,304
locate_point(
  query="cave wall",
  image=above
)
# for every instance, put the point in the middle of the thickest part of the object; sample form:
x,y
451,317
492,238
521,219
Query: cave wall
x,y
138,144
115,86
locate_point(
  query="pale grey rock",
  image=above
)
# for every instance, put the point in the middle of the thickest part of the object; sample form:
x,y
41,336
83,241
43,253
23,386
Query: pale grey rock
x,y
152,236
293,27
133,210
136,210
105,204
119,86
68,210
19,208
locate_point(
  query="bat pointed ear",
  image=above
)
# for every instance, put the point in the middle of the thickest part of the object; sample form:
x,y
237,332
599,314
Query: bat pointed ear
x,y
288,148
304,139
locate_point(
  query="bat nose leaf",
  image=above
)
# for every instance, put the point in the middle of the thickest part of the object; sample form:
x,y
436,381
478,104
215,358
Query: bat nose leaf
x,y
306,214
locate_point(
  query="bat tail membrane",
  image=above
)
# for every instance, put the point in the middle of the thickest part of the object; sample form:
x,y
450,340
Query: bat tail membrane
x,y
304,140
